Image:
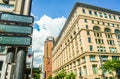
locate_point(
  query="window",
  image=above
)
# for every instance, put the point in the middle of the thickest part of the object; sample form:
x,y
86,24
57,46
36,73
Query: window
x,y
96,28
114,17
107,30
98,22
85,20
91,48
101,14
92,57
99,41
74,64
89,40
90,12
113,25
95,69
95,13
85,70
80,72
118,36
113,49
104,58
119,18
108,35
83,10
98,34
110,16
78,61
108,24
110,42
105,15
118,43
115,57
101,49
92,21
1,64
88,32
86,26
2,48
103,23
83,59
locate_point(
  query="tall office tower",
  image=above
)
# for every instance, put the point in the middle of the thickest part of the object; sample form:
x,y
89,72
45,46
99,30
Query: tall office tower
x,y
22,7
91,36
48,56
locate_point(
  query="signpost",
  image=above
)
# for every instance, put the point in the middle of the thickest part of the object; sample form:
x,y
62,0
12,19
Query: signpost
x,y
20,33
16,29
16,18
15,41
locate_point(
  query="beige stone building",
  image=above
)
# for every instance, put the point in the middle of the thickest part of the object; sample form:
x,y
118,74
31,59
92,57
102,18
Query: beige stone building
x,y
90,33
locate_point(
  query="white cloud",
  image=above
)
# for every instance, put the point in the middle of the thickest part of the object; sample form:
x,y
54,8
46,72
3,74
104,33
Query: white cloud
x,y
48,27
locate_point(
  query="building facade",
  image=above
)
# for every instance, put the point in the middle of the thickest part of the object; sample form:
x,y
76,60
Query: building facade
x,y
91,36
48,56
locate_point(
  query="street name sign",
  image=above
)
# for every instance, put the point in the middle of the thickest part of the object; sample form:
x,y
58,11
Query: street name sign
x,y
9,17
15,41
16,29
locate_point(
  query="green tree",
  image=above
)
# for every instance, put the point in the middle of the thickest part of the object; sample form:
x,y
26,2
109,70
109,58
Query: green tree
x,y
111,66
70,75
49,77
36,72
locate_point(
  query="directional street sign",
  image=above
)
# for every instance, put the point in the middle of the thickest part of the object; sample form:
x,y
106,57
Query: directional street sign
x,y
16,29
16,18
15,41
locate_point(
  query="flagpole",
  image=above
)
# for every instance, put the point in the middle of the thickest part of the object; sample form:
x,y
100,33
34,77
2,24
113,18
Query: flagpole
x,y
32,64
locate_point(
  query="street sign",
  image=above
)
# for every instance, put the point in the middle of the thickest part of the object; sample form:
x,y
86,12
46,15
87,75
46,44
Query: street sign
x,y
6,7
16,29
9,17
15,41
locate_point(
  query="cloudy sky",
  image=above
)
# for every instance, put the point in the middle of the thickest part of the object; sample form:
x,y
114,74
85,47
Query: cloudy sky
x,y
50,16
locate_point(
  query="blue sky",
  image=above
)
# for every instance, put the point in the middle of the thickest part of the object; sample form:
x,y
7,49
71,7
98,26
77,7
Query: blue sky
x,y
50,16
57,8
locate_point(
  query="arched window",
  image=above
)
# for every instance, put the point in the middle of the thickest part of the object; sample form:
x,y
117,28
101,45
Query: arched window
x,y
107,30
96,28
117,31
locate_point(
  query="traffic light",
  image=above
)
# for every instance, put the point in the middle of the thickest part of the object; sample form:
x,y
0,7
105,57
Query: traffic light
x,y
6,1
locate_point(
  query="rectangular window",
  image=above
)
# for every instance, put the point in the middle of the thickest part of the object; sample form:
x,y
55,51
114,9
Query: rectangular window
x,y
99,41
80,72
98,22
91,48
110,16
101,49
104,58
85,70
2,48
92,57
83,10
115,57
88,32
114,17
90,12
1,64
95,13
101,14
105,15
112,49
89,40
108,24
108,35
78,62
85,20
83,59
95,69
92,21
111,42
86,26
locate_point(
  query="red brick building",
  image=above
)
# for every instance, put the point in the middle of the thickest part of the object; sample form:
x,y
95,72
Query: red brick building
x,y
48,44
